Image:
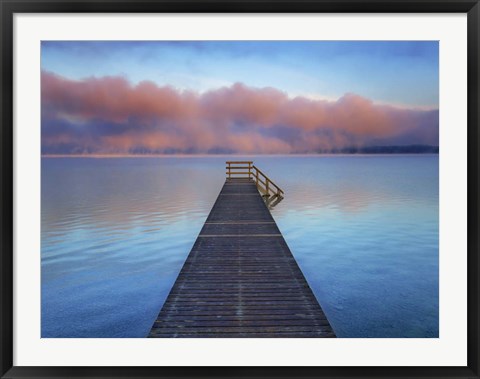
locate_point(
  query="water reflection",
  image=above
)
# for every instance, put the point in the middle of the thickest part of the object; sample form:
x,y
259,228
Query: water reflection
x,y
115,233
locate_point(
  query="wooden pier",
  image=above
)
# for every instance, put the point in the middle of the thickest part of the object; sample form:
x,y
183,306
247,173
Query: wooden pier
x,y
240,278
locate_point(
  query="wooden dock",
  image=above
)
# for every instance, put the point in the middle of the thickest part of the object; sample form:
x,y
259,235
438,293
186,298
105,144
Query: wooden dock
x,y
240,278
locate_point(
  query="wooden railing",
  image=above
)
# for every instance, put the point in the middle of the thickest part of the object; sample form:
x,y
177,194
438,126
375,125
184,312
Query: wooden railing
x,y
272,193
239,169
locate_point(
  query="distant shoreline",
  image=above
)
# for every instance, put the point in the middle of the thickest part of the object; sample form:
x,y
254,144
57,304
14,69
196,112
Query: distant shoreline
x,y
367,150
112,156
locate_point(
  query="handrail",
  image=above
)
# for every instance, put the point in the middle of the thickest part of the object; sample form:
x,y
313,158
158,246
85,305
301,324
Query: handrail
x,y
237,167
268,179
265,185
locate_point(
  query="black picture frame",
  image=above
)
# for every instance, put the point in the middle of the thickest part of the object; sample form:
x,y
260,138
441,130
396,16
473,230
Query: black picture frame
x,y
10,8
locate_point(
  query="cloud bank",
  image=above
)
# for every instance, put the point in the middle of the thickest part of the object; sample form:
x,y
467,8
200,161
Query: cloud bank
x,y
109,115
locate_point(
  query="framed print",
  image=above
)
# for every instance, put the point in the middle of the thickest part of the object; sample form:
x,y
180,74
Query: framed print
x,y
239,189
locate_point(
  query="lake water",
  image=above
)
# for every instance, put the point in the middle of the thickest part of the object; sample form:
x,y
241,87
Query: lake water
x,y
115,233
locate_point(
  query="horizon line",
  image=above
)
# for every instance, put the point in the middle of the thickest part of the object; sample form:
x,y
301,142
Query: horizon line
x,y
214,155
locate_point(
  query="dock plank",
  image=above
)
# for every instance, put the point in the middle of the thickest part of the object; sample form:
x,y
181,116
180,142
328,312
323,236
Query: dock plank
x,y
240,279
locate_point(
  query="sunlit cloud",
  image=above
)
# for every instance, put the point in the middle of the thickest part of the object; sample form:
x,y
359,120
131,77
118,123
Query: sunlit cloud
x,y
109,115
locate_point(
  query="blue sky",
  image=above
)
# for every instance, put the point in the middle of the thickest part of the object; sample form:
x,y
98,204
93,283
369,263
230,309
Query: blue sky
x,y
403,73
213,97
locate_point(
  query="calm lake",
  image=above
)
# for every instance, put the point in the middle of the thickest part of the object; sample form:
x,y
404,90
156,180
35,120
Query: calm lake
x,y
116,231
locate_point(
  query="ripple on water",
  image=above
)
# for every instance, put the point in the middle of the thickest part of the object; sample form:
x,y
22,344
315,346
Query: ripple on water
x,y
115,234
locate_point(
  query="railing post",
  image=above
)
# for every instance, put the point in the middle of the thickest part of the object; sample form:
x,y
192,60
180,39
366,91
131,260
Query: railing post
x,y
229,170
249,169
256,174
268,181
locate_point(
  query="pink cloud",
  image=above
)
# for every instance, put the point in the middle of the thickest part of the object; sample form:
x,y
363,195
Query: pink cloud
x,y
109,114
